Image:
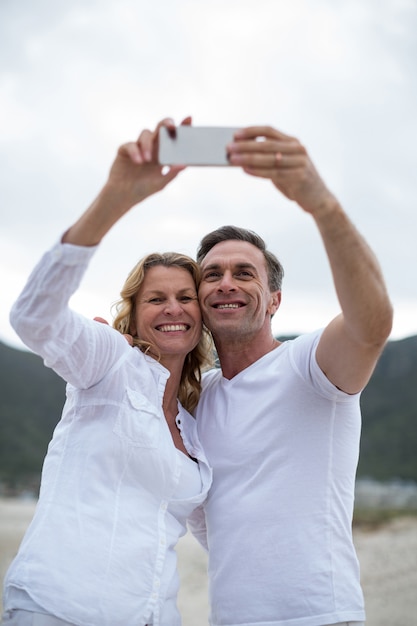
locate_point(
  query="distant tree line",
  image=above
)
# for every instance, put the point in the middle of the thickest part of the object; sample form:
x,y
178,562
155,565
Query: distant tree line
x,y
32,397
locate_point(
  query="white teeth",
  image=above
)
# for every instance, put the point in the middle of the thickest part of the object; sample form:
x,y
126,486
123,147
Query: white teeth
x,y
227,306
172,327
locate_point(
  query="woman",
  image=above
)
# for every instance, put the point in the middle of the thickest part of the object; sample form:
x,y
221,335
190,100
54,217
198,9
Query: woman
x,y
124,468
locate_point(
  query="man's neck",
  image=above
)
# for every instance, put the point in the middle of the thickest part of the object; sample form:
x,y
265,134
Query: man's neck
x,y
237,355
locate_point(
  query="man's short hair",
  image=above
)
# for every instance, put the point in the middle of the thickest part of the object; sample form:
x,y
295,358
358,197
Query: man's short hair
x,y
225,233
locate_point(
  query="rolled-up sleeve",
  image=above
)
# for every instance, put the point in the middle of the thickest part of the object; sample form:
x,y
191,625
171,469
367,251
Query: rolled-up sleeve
x,y
80,350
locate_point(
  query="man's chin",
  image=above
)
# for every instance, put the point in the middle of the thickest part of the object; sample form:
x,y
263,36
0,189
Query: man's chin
x,y
226,329
224,317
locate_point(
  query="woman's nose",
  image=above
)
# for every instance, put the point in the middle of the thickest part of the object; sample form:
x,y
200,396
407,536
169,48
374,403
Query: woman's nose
x,y
173,307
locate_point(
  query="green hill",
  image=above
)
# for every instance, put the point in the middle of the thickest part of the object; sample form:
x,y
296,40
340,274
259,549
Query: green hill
x,y
31,401
389,409
32,396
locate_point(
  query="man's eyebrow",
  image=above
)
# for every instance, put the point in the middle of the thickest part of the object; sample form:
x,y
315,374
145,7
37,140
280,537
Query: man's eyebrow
x,y
244,266
212,266
239,266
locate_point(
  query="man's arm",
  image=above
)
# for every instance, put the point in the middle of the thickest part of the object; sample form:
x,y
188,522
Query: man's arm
x,y
352,342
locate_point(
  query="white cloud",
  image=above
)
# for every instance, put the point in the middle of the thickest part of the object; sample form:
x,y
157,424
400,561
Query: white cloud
x,y
78,79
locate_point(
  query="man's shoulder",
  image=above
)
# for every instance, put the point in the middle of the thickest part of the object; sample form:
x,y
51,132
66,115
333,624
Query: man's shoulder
x,y
306,341
211,377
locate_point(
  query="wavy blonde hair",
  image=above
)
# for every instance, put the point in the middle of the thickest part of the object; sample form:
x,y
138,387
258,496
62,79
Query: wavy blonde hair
x,y
196,361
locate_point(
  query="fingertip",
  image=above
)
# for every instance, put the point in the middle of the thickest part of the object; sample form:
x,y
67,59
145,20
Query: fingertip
x,y
101,320
170,124
176,169
134,151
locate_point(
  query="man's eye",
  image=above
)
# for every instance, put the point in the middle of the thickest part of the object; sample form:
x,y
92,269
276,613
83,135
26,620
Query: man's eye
x,y
244,274
211,276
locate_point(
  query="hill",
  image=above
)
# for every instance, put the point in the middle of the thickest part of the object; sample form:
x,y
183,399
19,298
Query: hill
x,y
389,409
31,401
32,396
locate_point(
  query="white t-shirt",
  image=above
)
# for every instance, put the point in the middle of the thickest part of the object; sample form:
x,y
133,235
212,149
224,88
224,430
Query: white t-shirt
x,y
115,491
283,443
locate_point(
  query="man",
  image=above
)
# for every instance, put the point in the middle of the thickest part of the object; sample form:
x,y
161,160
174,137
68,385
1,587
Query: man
x,y
280,422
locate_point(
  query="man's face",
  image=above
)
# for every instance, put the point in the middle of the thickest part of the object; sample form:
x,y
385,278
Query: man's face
x,y
234,294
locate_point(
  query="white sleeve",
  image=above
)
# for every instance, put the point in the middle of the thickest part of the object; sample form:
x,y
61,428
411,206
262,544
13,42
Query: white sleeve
x,y
303,358
81,351
197,525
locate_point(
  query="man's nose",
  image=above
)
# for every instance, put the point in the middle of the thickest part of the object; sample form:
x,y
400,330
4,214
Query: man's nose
x,y
226,282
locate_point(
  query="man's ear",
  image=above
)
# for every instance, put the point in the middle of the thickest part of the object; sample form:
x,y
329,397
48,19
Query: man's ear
x,y
275,302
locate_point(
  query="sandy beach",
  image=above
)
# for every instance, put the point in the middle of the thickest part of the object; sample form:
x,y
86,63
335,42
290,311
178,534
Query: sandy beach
x,y
388,557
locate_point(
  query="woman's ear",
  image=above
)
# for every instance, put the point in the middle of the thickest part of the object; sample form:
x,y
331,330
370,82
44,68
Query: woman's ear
x,y
132,328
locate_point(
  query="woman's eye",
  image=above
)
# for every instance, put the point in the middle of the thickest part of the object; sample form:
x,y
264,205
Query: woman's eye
x,y
190,298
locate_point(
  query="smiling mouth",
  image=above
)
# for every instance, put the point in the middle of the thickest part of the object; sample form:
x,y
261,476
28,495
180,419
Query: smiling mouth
x,y
228,306
169,328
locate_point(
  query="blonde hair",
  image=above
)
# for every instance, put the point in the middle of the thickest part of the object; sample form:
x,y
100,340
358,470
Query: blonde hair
x,y
196,361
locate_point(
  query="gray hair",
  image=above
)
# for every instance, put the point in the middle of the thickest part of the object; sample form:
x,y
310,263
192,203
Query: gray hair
x,y
225,233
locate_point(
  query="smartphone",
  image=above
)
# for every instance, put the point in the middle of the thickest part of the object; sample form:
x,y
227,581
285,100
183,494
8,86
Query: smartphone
x,y
195,145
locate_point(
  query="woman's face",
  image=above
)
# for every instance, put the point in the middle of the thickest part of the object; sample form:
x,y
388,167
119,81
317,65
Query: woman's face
x,y
167,311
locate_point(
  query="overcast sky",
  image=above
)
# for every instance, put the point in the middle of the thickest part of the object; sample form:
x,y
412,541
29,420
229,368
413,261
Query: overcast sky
x,y
79,78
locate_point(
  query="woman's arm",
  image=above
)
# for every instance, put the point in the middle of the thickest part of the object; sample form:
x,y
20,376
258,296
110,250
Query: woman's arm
x,y
79,350
134,176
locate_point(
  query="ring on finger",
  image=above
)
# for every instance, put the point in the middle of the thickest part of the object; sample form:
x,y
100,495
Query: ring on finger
x,y
278,158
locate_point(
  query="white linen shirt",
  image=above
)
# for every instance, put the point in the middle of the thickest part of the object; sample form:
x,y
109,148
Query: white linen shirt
x,y
100,549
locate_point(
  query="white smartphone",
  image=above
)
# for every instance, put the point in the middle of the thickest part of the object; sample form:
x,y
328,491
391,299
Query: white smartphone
x,y
195,145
